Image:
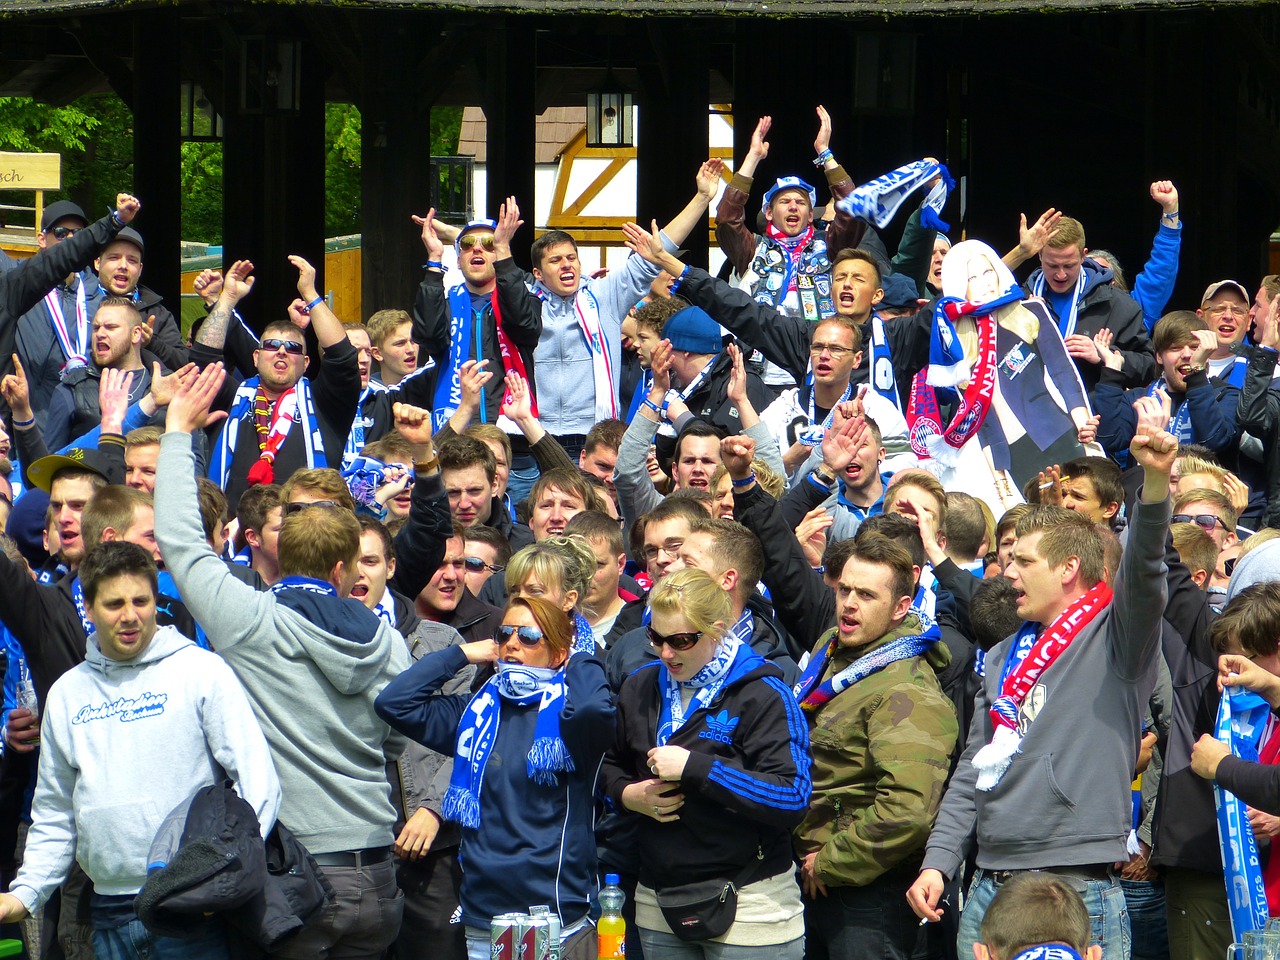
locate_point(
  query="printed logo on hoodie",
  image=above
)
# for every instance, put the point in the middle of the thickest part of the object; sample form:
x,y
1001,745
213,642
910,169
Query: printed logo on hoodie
x,y
720,727
127,709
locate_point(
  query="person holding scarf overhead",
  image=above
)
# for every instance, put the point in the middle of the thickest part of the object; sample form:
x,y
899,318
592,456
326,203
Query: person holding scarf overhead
x,y
712,761
1044,783
527,749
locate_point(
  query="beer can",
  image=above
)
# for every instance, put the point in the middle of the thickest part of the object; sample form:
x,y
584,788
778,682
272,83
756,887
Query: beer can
x,y
542,910
505,931
536,942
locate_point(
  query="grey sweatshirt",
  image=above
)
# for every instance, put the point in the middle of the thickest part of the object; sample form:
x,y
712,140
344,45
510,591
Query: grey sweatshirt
x,y
311,688
1065,799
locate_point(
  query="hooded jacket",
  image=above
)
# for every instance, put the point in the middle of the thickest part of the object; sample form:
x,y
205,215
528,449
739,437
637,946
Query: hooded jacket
x,y
312,664
170,721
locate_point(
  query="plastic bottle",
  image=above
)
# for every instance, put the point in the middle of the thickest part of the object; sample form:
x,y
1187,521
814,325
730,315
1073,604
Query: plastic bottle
x,y
611,928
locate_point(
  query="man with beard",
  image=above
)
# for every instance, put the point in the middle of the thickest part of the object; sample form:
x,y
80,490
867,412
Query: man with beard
x,y
119,269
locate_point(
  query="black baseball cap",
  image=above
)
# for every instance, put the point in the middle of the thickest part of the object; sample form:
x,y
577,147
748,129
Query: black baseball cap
x,y
60,211
129,235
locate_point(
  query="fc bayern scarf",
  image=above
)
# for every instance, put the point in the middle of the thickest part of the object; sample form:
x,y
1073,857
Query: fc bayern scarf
x,y
548,756
878,200
1026,663
1066,324
302,407
1242,717
813,695
732,659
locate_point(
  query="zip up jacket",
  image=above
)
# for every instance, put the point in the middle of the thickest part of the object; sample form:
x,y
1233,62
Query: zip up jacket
x,y
1066,799
535,843
745,784
74,409
1153,286
1259,414
166,337
881,753
1212,405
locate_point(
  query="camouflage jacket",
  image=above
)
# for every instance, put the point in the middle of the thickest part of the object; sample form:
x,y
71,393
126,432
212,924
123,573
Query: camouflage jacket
x,y
881,751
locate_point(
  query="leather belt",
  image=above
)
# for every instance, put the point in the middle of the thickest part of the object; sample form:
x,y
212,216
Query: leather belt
x,y
353,858
1076,871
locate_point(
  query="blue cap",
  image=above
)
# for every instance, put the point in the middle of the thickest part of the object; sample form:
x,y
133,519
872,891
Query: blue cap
x,y
694,331
790,183
26,525
490,225
899,291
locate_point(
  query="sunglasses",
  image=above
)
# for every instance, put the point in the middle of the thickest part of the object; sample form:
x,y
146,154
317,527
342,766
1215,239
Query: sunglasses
x,y
1205,520
529,636
676,641
61,233
292,347
1229,566
485,240
475,565
291,508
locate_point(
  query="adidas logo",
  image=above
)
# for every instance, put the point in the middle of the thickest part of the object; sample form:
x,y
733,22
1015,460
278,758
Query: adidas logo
x,y
720,727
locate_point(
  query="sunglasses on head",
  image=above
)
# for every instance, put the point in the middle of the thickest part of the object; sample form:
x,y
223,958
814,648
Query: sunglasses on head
x,y
484,239
529,636
292,508
1206,520
676,641
61,233
475,565
291,347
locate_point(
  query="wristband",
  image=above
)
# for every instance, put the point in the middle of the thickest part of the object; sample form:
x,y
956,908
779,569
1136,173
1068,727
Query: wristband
x,y
819,482
310,306
115,217
23,424
679,280
1169,216
746,481
433,264
821,159
646,402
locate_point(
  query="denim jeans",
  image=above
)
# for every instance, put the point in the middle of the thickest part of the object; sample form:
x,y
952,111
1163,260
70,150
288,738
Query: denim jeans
x,y
1104,899
1148,927
521,477
670,947
133,941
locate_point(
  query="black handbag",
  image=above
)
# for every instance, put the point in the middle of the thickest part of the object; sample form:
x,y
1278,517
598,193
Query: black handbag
x,y
706,909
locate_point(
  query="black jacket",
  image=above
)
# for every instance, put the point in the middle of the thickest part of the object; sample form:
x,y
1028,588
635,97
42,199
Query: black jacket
x,y
710,402
1259,414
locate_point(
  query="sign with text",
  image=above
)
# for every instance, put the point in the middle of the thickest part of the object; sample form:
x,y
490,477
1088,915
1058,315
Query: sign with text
x,y
30,171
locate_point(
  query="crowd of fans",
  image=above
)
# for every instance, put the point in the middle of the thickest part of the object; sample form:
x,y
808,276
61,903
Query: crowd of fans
x,y
851,604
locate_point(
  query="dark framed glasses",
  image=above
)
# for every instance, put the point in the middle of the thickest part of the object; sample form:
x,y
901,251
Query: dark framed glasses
x,y
61,233
291,508
529,636
292,347
676,641
1206,521
470,240
475,565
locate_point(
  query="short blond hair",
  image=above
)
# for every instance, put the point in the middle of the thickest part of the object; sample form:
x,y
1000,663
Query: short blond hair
x,y
1190,464
325,482
693,595
771,482
1070,233
315,539
384,323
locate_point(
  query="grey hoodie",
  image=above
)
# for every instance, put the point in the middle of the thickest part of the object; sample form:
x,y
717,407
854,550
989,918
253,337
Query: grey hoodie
x,y
1066,798
312,665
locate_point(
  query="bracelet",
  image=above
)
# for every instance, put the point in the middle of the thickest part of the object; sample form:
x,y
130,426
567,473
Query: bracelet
x,y
821,159
1169,216
746,481
23,424
115,217
679,280
646,402
436,264
310,306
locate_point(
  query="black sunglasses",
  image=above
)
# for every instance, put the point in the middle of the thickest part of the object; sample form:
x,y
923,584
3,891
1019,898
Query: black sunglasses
x,y
1206,520
475,565
676,641
291,347
292,508
1229,566
62,233
529,636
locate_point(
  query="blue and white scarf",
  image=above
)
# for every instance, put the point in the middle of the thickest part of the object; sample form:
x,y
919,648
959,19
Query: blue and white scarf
x,y
242,413
77,594
642,391
364,477
1056,951
1180,423
813,434
708,682
519,686
355,438
386,609
813,695
947,364
584,638
1242,718
883,380
1066,324
462,328
306,584
876,201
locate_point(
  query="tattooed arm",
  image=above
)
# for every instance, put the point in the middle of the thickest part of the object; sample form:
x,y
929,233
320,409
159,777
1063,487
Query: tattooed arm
x,y
235,286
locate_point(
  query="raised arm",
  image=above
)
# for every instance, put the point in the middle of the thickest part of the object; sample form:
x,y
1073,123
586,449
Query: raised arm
x,y
1032,239
420,544
736,239
328,328
235,287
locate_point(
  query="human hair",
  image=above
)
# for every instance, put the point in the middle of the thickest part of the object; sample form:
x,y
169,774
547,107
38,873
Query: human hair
x,y
1255,540
1070,233
880,550
1109,259
143,436
352,326
873,428
696,598
315,539
1221,501
568,562
255,503
734,547
691,509
836,556
703,498
1250,621
213,507
325,483
384,323
482,533
1009,520
367,524
773,483
606,433
488,433
283,326
390,448
856,253
594,525
1189,464
567,480
1104,474
545,242
556,627
115,558
123,303
10,549
1195,547
1112,550
844,323
966,527
1033,909
921,481
900,530
654,315
113,507
464,452
1065,534
1177,328
993,611
695,428
1271,285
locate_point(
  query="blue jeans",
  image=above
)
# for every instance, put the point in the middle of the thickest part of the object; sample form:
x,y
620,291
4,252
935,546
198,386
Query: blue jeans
x,y
521,477
1104,899
670,947
1148,926
133,941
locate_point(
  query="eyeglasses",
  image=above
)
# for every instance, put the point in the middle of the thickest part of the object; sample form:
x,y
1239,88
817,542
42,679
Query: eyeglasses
x,y
483,239
292,508
475,565
1235,309
676,641
836,351
61,233
529,636
292,347
1206,520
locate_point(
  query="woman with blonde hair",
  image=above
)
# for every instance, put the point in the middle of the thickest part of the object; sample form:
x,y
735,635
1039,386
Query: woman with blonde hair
x,y
558,569
527,749
712,759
